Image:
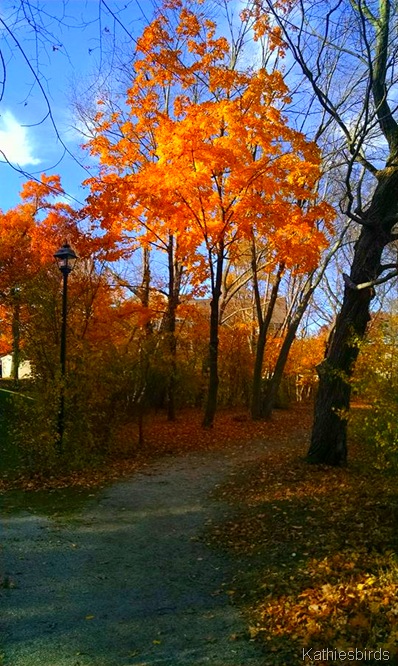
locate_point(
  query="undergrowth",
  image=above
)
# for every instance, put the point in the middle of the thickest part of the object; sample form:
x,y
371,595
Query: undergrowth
x,y
160,437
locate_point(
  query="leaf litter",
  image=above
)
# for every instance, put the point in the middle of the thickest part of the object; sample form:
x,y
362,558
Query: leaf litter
x,y
317,546
317,550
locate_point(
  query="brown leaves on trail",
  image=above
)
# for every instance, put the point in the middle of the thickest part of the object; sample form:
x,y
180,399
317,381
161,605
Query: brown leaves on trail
x,y
229,429
87,478
162,437
317,550
358,609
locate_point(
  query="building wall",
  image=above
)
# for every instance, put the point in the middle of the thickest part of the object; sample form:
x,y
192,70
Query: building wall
x,y
25,369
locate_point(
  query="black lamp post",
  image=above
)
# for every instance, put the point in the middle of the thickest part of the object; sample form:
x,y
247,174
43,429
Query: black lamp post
x,y
66,259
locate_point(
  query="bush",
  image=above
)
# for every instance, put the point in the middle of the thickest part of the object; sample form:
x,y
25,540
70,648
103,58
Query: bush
x,y
375,383
33,426
101,394
378,429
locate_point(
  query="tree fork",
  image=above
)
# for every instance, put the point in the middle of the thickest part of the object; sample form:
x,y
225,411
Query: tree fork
x,y
332,403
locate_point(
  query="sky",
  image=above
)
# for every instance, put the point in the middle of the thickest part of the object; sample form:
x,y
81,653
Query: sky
x,y
52,51
43,70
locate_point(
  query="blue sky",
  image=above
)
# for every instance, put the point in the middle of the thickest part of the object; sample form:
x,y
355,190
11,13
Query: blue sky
x,y
64,54
51,48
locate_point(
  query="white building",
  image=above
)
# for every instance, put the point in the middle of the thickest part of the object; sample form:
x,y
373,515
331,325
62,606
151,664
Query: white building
x,y
24,370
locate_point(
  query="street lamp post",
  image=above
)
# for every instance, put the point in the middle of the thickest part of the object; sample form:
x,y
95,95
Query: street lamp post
x,y
66,259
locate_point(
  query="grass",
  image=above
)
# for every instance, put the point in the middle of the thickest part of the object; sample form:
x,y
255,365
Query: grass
x,y
317,551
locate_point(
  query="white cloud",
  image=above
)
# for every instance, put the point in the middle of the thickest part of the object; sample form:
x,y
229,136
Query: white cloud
x,y
15,142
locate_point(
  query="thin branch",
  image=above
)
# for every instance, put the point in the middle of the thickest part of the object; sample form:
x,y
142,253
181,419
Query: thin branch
x,y
386,267
49,113
371,283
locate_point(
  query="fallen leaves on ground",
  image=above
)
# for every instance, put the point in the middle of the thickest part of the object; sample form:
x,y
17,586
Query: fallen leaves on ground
x,y
315,546
161,437
317,550
86,478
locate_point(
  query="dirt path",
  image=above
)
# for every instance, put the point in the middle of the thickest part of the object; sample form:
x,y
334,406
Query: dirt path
x,y
125,581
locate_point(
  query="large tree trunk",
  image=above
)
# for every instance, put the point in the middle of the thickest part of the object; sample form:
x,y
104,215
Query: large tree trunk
x,y
362,44
329,436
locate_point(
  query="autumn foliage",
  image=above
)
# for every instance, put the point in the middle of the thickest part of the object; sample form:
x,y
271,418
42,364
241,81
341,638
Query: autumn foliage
x,y
203,209
201,159
195,166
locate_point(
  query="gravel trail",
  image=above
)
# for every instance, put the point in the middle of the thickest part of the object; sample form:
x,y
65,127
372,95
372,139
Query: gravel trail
x,y
127,580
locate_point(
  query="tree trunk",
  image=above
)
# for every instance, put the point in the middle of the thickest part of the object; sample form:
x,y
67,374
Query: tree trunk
x,y
172,351
363,47
275,380
175,274
332,403
172,379
170,332
257,383
145,289
264,322
329,436
16,340
212,392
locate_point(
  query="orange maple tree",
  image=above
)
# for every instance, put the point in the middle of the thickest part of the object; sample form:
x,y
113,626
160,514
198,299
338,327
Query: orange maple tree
x,y
204,158
29,235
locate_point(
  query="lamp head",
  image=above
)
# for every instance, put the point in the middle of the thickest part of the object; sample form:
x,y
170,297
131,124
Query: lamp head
x,y
66,258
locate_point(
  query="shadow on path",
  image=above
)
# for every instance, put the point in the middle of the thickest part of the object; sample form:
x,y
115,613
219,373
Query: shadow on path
x,y
125,581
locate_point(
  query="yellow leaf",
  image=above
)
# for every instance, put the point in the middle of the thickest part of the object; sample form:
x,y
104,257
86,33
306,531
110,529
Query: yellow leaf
x,y
374,607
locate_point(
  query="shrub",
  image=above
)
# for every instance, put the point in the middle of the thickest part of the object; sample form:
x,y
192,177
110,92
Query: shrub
x,y
378,429
101,393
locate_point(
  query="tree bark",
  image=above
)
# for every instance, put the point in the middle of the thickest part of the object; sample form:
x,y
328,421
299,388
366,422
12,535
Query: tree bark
x,y
145,289
275,380
263,323
212,392
175,273
329,435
